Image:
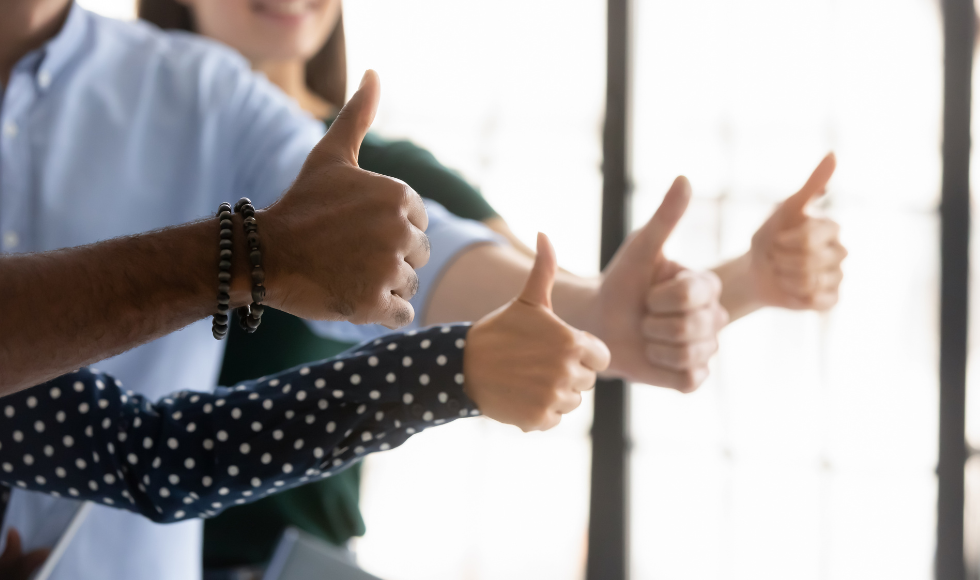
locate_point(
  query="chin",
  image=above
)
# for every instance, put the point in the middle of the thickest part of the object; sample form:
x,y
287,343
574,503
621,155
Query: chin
x,y
281,51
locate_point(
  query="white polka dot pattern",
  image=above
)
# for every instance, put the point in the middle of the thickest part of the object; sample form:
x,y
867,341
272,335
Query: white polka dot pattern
x,y
195,454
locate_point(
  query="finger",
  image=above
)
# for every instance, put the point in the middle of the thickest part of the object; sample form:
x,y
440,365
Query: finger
x,y
343,139
33,560
583,379
419,250
816,260
811,283
825,301
681,357
794,208
12,551
722,318
408,282
551,421
685,292
416,209
595,354
813,232
682,328
567,401
686,381
537,289
821,301
650,240
396,312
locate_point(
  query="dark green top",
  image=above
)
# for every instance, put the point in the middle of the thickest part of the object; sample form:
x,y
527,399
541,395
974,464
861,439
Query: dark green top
x,y
247,535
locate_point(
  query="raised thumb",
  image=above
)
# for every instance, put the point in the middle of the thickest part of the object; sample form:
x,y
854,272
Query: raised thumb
x,y
537,289
652,237
793,209
343,139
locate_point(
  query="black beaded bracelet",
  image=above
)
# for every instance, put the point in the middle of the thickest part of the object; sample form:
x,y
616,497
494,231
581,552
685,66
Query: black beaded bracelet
x,y
250,317
219,323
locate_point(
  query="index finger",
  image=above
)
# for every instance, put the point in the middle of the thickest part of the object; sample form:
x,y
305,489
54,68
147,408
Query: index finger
x,y
685,292
416,210
812,233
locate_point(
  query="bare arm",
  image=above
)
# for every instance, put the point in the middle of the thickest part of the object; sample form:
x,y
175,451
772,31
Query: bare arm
x,y
738,294
485,277
72,307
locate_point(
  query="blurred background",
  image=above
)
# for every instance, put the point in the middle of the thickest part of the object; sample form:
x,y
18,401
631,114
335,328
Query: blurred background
x,y
811,452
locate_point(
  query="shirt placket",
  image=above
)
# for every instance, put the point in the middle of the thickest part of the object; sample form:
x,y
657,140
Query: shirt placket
x,y
16,168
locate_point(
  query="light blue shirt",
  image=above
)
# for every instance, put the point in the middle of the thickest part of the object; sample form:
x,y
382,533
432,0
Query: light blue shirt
x,y
116,128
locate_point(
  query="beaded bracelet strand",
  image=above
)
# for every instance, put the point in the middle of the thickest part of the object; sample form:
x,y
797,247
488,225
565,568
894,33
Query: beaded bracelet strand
x,y
251,316
219,323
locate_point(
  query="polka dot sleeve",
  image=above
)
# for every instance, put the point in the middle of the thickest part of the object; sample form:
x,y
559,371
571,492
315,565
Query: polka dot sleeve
x,y
195,454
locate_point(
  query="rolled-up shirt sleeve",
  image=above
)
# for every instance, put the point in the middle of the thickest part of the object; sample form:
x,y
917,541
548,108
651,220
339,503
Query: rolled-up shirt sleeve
x,y
449,236
194,454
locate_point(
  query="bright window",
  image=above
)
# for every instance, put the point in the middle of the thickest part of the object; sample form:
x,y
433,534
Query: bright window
x,y
810,453
510,93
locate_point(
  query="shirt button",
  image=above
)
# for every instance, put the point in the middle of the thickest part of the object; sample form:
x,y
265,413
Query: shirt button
x,y
10,240
44,79
10,129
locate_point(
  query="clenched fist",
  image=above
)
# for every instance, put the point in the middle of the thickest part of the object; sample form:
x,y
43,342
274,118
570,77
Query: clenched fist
x,y
523,365
795,259
343,243
659,319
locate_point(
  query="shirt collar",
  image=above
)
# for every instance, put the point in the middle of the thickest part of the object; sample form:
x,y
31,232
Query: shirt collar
x,y
64,46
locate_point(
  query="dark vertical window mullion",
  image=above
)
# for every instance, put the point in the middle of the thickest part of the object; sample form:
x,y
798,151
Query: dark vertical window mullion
x,y
958,23
608,557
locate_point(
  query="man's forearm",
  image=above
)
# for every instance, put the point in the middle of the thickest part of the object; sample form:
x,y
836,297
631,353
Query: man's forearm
x,y
738,292
485,277
72,307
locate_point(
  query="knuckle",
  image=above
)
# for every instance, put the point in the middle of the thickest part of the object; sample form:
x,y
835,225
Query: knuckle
x,y
712,346
549,398
686,292
714,283
394,194
806,245
413,284
672,328
402,316
688,381
342,306
568,343
688,355
538,421
425,243
690,326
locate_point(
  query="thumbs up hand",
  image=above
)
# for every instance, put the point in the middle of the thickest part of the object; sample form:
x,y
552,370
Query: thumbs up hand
x,y
659,319
343,243
523,365
795,259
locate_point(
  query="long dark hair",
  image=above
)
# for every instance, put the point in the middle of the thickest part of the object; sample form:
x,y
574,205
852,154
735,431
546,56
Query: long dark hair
x,y
326,72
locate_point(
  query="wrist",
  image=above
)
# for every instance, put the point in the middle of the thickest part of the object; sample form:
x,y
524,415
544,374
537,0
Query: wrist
x,y
576,299
739,291
241,268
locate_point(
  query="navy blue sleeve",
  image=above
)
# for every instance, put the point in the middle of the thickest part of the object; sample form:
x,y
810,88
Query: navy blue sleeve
x,y
194,454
